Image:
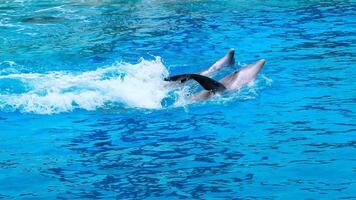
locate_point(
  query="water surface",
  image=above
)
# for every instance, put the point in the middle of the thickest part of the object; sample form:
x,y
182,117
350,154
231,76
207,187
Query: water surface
x,y
83,113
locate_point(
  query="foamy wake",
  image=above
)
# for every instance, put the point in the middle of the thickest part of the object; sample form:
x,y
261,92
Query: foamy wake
x,y
130,85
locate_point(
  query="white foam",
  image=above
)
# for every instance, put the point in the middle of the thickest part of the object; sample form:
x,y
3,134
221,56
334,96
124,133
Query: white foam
x,y
132,85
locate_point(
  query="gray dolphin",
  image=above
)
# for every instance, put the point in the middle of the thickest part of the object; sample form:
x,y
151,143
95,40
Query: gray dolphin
x,y
233,81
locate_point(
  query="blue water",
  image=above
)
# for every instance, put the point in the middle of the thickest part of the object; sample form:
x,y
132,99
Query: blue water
x,y
84,115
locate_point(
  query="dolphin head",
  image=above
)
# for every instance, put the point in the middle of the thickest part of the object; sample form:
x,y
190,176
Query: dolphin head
x,y
246,74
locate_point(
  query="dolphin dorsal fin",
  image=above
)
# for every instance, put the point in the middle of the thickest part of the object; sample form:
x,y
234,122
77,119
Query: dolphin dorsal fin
x,y
206,82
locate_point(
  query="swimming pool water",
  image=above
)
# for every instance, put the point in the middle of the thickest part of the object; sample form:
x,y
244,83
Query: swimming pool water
x,y
84,114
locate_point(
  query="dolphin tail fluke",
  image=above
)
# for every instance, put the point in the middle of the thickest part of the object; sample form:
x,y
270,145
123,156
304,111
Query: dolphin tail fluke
x,y
178,78
206,82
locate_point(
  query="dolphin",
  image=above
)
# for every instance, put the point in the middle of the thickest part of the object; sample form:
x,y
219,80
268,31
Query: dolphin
x,y
233,81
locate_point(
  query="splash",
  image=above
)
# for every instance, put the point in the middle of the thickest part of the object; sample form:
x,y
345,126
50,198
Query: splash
x,y
130,85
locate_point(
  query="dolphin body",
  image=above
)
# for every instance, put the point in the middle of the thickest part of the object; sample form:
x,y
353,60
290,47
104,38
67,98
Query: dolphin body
x,y
233,81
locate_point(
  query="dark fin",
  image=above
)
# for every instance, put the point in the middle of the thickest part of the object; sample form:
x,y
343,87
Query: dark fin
x,y
181,78
206,82
231,57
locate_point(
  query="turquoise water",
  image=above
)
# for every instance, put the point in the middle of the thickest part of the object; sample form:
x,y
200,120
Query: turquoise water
x,y
84,114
